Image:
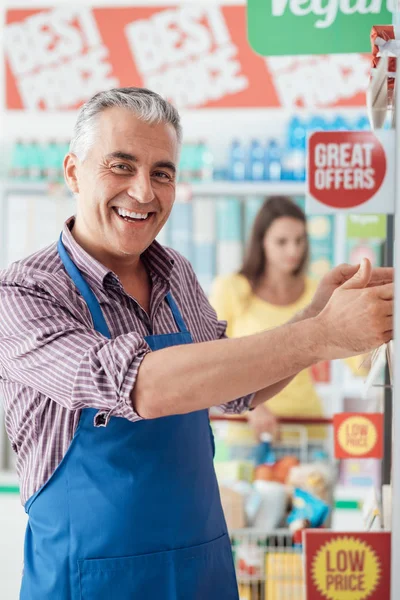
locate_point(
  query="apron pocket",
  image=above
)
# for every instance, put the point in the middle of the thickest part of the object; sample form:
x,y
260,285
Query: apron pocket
x,y
197,573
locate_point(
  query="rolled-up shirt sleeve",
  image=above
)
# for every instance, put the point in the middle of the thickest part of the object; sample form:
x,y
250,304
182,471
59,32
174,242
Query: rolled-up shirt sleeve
x,y
43,346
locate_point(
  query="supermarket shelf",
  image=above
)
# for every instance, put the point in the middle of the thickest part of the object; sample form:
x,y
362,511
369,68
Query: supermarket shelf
x,y
211,188
249,188
29,187
9,482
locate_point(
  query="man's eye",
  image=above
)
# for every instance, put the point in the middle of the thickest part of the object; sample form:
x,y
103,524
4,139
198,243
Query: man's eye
x,y
121,167
162,175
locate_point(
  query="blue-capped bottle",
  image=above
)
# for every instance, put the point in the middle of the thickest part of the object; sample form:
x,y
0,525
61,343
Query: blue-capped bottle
x,y
256,162
295,153
19,162
52,161
237,161
339,123
204,161
186,163
362,124
273,161
35,161
317,123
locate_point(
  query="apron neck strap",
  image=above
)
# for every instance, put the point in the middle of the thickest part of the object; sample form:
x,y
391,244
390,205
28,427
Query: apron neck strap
x,y
99,321
180,323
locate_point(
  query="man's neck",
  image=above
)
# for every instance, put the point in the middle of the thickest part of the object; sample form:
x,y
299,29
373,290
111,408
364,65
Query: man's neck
x,y
123,266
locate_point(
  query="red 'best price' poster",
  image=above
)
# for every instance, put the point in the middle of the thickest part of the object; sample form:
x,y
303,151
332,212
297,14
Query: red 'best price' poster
x,y
197,56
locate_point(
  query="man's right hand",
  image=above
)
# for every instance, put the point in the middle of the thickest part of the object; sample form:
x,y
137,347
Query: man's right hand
x,y
357,318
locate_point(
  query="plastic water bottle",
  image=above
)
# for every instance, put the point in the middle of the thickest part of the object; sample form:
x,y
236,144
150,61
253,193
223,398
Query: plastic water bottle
x,y
317,123
339,123
237,161
204,161
185,163
295,155
362,124
256,162
35,160
273,161
52,161
19,162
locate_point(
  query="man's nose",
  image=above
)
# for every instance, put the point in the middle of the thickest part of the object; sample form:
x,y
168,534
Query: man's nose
x,y
140,188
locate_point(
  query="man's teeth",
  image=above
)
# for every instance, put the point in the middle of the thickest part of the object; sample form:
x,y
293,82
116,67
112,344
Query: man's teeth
x,y
132,215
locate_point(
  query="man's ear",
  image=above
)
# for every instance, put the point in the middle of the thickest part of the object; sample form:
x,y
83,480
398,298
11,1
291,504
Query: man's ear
x,y
70,172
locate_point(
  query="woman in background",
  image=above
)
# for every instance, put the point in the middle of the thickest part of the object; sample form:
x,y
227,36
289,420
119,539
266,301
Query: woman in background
x,y
269,289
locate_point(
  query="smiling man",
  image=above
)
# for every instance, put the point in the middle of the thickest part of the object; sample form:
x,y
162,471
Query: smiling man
x,y
111,356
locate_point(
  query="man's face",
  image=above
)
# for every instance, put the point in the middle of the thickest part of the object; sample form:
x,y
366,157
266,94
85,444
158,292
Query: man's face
x,y
125,184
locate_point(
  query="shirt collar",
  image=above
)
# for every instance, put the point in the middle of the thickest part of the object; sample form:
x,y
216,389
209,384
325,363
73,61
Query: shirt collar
x,y
156,258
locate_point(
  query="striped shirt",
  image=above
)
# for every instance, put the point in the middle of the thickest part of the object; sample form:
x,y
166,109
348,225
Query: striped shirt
x,y
53,363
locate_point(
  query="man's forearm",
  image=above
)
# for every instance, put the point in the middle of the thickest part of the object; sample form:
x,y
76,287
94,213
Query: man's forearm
x,y
272,390
183,379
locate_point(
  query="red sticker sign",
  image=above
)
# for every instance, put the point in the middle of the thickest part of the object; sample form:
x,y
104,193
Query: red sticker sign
x,y
343,566
358,435
346,168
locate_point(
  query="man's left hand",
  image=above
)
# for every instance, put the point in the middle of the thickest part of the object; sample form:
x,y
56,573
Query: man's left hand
x,y
337,277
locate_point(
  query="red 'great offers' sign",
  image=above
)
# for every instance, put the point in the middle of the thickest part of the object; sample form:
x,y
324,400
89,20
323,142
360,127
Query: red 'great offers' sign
x,y
346,168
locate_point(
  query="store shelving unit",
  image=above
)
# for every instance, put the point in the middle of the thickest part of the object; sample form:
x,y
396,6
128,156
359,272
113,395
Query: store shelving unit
x,y
395,559
206,188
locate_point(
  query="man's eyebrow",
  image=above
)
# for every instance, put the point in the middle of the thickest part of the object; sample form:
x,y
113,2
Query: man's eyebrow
x,y
165,164
122,155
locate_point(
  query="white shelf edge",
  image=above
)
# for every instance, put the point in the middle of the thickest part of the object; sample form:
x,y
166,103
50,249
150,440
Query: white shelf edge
x,y
212,188
248,188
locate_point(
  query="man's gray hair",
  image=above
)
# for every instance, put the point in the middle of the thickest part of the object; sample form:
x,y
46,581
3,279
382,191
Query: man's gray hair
x,y
145,104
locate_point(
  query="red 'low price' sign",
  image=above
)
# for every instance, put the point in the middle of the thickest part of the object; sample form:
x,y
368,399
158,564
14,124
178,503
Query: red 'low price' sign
x,y
348,170
358,435
343,566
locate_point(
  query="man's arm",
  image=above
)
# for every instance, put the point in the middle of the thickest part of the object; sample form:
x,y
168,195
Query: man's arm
x,y
330,282
45,347
272,390
184,379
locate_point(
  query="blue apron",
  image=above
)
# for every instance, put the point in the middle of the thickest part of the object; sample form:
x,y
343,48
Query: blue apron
x,y
133,511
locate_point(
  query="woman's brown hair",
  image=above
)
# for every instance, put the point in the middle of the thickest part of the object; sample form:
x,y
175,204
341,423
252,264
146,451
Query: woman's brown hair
x,y
273,208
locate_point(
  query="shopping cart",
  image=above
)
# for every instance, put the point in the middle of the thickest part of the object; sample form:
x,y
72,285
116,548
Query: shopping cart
x,y
269,564
298,436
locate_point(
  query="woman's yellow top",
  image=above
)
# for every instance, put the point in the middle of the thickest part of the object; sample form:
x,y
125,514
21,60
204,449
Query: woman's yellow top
x,y
246,314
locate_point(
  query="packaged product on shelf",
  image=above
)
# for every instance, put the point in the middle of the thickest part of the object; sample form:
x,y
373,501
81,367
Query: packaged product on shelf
x,y
250,560
204,161
273,504
256,162
384,42
308,511
284,574
19,162
237,161
273,161
186,162
315,478
35,160
339,123
52,162
294,162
